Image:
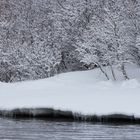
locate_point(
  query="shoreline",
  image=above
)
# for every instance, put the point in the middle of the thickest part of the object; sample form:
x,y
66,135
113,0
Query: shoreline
x,y
52,114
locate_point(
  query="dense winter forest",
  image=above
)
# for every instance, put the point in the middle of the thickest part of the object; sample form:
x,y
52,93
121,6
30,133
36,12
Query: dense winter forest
x,y
41,38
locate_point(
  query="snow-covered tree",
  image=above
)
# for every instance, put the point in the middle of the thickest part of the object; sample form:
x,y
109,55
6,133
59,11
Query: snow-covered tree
x,y
40,38
109,37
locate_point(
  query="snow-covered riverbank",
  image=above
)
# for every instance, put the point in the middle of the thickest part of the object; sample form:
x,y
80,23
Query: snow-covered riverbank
x,y
86,92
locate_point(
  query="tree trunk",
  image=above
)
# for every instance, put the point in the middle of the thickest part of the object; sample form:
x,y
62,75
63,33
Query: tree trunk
x,y
113,74
103,71
124,72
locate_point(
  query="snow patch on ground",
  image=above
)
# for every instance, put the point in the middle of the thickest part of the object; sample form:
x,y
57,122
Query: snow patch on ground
x,y
131,84
86,92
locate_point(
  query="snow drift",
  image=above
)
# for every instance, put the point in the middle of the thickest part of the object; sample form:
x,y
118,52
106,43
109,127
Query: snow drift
x,y
86,93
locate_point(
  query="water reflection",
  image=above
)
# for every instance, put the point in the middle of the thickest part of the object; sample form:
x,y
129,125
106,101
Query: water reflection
x,y
56,130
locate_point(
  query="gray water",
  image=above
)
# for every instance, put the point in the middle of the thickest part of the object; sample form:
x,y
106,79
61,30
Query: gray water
x,y
58,130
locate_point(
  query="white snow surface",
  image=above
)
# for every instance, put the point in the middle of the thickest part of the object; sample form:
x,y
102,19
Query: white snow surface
x,y
86,92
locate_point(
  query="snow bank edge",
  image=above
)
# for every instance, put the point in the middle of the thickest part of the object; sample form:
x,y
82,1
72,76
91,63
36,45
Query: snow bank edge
x,y
52,114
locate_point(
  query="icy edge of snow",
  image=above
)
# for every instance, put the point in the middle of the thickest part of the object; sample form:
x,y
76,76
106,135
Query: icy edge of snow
x,y
49,113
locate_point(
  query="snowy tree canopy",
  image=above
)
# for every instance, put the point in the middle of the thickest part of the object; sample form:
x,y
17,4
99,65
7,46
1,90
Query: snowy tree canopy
x,y
40,38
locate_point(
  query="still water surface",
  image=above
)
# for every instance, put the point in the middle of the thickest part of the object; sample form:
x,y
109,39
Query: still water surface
x,y
55,130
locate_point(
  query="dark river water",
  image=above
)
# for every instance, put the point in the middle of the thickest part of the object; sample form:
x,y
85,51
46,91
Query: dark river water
x,y
55,130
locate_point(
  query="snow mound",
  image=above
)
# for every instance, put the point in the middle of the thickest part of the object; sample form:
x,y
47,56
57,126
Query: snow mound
x,y
86,92
131,84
